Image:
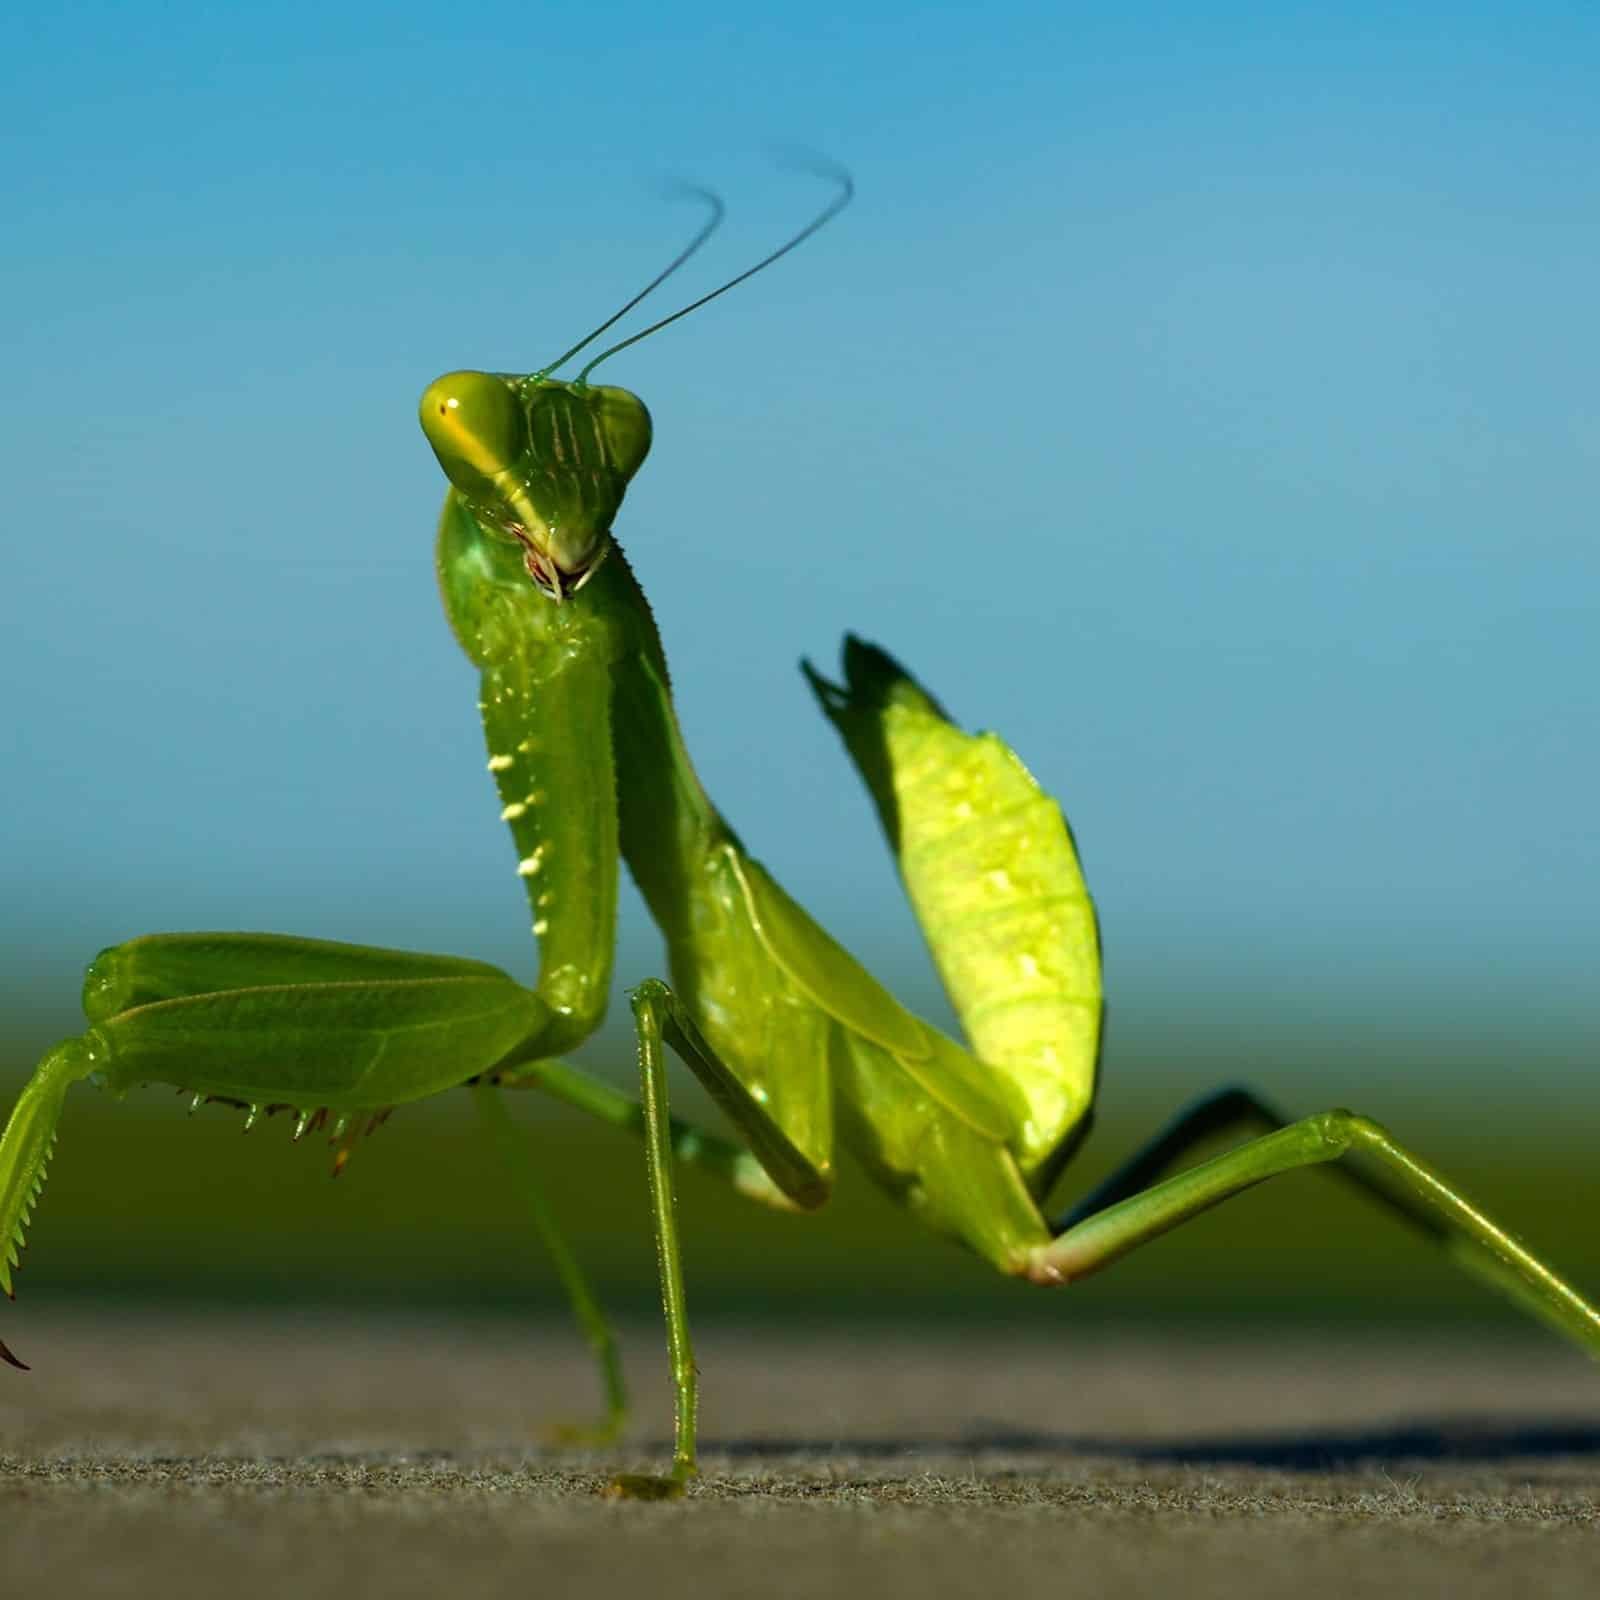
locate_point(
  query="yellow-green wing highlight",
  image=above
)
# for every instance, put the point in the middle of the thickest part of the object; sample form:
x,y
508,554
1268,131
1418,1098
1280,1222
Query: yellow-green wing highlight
x,y
992,873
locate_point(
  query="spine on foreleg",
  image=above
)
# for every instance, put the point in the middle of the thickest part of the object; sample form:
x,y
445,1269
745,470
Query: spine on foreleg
x,y
26,1146
991,871
532,724
545,700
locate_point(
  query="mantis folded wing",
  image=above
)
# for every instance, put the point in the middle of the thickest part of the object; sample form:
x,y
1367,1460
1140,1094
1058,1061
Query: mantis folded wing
x,y
791,1035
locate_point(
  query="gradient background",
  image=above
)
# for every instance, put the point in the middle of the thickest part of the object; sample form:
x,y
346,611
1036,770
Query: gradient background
x,y
1208,397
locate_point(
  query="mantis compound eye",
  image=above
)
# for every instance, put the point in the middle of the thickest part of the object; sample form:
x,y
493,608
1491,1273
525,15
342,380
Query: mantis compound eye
x,y
626,426
476,425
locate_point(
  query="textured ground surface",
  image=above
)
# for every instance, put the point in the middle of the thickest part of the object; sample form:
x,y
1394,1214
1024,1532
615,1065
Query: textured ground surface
x,y
271,1455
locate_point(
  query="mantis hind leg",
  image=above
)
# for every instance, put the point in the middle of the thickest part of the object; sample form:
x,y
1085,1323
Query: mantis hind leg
x,y
586,1311
1225,1109
688,1146
1401,1180
1238,1108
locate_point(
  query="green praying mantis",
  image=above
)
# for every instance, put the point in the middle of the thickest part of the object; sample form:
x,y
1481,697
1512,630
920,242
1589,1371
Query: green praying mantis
x,y
795,1040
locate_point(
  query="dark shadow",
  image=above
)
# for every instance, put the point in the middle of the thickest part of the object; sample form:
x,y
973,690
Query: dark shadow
x,y
1463,1440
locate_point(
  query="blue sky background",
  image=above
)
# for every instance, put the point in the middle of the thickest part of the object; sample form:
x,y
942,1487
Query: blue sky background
x,y
1207,397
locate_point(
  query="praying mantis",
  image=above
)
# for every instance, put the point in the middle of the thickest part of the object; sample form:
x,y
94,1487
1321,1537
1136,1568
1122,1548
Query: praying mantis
x,y
797,1043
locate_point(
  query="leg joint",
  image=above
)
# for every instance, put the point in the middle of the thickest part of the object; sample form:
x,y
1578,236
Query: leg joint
x,y
649,995
1340,1130
1332,1129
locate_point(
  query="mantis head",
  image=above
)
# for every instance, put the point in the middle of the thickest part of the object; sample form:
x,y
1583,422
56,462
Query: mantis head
x,y
545,462
539,461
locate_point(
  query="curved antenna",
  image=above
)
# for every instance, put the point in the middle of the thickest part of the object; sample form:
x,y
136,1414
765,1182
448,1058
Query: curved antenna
x,y
847,189
718,211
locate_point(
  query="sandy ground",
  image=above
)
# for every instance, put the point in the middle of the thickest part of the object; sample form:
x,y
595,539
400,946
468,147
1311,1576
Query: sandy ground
x,y
275,1455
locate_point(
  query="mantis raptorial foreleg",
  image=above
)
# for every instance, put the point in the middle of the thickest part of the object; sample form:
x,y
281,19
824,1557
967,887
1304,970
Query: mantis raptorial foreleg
x,y
793,1037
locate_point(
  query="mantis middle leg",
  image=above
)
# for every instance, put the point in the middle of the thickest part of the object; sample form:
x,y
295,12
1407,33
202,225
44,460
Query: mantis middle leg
x,y
660,1018
772,1171
586,1310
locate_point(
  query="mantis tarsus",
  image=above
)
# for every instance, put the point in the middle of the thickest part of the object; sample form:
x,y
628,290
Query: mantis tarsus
x,y
788,1031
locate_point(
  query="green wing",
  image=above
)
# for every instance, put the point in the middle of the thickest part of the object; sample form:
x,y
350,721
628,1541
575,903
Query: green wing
x,y
991,871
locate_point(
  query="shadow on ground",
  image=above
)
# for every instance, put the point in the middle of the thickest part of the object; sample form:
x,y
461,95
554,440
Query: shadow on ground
x,y
1462,1440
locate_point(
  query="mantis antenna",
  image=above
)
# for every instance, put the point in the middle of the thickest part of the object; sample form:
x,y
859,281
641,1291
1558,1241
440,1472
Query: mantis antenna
x,y
718,211
847,189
